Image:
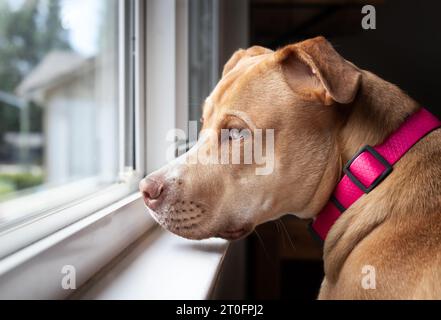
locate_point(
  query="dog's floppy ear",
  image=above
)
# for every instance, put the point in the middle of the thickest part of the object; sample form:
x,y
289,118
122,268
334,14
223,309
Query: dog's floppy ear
x,y
314,66
240,54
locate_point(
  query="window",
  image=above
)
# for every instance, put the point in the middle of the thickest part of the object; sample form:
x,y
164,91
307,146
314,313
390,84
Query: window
x,y
132,81
67,106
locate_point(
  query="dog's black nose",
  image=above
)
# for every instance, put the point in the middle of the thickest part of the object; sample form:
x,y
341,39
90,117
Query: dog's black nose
x,y
151,190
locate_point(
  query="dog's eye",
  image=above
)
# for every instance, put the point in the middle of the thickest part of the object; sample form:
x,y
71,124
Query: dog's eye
x,y
236,134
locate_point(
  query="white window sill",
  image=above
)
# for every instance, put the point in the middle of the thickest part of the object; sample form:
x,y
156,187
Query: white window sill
x,y
31,203
159,266
118,253
35,271
16,234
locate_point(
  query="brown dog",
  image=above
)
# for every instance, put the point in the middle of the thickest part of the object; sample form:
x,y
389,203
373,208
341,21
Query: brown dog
x,y
322,109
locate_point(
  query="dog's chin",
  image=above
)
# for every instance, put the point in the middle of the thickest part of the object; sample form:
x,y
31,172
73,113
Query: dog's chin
x,y
200,233
234,234
230,235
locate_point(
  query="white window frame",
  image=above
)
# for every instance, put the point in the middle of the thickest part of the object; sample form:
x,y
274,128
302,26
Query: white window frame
x,y
32,217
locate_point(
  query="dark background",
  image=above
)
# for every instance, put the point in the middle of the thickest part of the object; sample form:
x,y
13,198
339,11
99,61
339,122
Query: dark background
x,y
404,49
283,261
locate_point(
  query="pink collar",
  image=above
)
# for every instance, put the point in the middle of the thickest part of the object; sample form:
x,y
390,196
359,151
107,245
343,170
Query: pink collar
x,y
370,166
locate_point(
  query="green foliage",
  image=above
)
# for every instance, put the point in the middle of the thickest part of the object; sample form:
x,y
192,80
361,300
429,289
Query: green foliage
x,y
26,36
6,187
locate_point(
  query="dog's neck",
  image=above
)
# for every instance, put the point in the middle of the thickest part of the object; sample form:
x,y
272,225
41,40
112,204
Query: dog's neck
x,y
379,109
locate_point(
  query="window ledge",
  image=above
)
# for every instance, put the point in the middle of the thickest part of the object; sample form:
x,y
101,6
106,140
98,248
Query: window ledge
x,y
36,271
159,266
17,237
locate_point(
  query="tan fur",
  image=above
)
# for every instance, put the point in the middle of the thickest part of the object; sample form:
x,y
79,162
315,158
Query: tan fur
x,y
323,109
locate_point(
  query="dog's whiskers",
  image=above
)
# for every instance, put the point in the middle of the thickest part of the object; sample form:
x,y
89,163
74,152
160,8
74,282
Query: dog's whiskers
x,y
277,225
264,249
287,234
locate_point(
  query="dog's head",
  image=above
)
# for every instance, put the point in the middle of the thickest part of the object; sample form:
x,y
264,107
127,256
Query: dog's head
x,y
282,104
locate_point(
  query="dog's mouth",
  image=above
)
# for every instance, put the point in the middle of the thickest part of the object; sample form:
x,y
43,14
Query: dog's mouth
x,y
191,219
192,227
187,219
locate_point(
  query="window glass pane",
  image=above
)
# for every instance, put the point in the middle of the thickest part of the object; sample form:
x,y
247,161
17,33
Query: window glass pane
x,y
58,99
203,53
